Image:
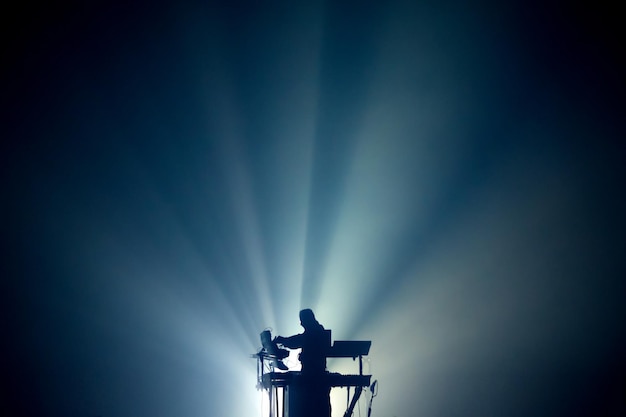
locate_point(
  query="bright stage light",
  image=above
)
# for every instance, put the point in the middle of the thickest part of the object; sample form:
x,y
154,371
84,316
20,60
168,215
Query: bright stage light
x,y
367,172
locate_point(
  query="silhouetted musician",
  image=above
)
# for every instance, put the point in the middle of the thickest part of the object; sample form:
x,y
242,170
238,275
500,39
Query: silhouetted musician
x,y
314,341
310,394
307,393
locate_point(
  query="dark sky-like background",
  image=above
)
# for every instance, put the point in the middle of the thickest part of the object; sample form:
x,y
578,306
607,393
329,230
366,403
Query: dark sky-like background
x,y
442,178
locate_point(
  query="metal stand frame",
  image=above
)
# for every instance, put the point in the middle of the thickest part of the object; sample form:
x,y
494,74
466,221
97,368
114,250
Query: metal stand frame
x,y
264,362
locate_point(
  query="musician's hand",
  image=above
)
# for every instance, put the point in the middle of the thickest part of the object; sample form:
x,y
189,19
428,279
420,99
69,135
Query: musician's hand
x,y
279,339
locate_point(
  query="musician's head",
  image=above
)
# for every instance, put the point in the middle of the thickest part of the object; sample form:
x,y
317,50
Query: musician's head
x,y
307,319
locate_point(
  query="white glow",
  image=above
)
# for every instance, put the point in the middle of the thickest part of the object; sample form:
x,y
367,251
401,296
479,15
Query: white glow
x,y
451,235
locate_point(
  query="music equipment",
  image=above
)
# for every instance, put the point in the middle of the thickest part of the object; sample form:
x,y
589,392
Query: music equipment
x,y
330,379
299,391
349,348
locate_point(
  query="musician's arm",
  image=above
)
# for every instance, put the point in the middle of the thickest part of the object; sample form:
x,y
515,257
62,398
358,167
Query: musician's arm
x,y
292,342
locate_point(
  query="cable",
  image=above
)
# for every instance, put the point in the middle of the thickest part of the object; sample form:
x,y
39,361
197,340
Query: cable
x,y
374,391
373,388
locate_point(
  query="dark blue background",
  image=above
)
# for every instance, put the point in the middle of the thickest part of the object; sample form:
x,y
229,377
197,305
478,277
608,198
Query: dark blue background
x,y
162,164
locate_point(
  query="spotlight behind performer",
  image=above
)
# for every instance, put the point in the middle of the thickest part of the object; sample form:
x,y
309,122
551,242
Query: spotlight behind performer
x,y
312,398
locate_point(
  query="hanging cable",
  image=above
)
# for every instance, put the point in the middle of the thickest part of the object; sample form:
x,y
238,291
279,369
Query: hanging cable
x,y
374,391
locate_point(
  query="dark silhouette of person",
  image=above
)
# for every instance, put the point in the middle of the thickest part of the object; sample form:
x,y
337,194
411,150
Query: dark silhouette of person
x,y
310,395
314,341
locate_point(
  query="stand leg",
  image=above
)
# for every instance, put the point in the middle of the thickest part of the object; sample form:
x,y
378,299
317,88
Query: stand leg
x,y
271,401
